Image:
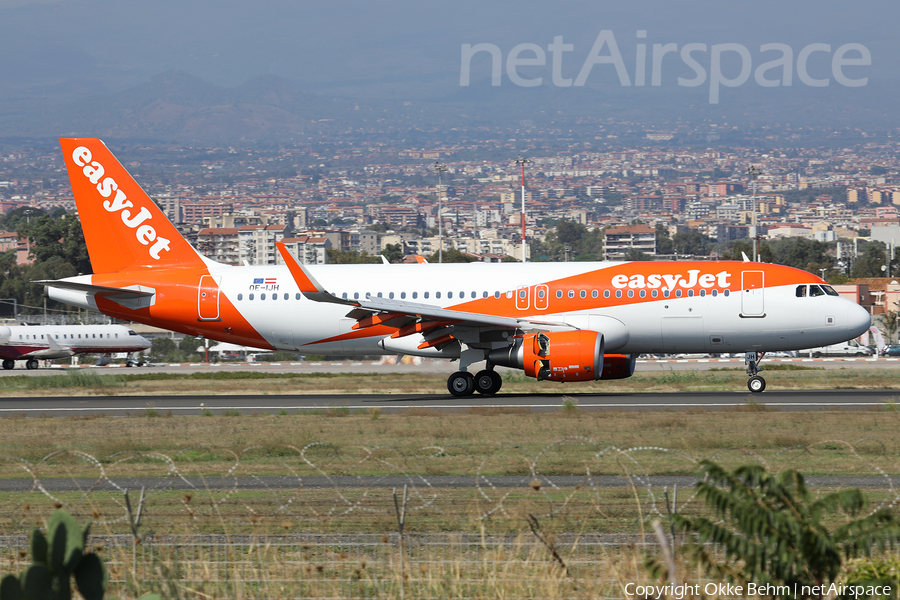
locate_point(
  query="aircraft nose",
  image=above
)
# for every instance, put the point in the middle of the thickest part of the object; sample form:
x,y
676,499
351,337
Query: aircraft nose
x,y
146,343
858,320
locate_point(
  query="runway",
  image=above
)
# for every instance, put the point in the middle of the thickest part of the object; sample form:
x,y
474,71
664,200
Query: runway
x,y
121,406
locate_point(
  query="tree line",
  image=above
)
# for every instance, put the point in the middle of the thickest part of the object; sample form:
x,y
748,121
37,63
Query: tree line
x,y
56,243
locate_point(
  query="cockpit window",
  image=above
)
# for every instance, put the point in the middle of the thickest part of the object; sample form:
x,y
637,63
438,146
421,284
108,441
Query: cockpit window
x,y
830,290
130,332
801,291
815,290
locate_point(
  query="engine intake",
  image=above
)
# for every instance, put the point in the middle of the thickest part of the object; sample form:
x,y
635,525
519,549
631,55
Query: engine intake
x,y
555,356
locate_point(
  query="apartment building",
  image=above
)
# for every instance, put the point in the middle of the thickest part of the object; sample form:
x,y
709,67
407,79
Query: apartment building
x,y
617,241
309,250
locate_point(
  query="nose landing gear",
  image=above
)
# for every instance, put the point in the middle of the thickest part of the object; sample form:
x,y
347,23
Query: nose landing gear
x,y
755,384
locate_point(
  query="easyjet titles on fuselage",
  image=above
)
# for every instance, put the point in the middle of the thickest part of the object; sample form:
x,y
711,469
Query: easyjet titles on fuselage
x,y
145,233
670,280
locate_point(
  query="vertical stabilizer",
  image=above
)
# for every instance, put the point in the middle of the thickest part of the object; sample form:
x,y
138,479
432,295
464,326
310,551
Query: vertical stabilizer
x,y
123,227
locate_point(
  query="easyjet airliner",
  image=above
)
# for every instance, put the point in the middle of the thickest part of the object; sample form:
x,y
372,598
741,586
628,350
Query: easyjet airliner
x,y
555,321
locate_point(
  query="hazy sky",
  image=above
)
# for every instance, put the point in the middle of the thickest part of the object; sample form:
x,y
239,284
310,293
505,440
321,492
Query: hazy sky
x,y
708,51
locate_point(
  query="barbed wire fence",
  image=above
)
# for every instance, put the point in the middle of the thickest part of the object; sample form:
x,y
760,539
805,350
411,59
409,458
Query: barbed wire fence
x,y
309,520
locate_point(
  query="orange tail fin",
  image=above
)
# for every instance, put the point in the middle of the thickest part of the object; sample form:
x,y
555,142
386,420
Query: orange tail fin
x,y
123,227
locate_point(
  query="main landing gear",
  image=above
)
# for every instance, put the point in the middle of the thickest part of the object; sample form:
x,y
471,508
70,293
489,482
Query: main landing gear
x,y
9,363
486,382
755,384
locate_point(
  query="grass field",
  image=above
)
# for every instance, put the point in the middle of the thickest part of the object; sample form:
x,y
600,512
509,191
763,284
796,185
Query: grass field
x,y
429,442
91,382
472,542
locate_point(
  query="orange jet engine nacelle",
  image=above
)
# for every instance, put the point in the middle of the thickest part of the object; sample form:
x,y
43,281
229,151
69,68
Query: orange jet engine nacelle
x,y
556,356
618,366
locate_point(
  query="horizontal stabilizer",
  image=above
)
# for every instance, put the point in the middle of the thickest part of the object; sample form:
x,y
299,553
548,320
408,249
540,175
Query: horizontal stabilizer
x,y
120,293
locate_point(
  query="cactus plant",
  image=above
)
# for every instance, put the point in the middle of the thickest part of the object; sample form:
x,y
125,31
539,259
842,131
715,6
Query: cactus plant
x,y
55,559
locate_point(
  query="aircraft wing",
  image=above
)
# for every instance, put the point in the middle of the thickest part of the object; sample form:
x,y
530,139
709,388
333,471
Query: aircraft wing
x,y
409,317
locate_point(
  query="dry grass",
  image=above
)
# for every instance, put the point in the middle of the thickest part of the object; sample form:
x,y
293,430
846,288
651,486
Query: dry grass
x,y
498,442
90,383
455,567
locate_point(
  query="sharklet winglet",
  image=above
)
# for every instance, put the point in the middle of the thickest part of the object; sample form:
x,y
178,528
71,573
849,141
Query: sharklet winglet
x,y
308,285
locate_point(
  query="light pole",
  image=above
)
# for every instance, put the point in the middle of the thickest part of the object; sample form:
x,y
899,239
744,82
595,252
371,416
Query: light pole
x,y
441,169
822,271
754,173
523,161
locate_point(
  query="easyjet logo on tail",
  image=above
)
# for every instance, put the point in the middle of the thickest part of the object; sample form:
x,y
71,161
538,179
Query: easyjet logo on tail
x,y
670,280
143,231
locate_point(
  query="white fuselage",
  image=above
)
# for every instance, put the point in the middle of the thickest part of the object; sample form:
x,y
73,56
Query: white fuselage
x,y
712,323
60,341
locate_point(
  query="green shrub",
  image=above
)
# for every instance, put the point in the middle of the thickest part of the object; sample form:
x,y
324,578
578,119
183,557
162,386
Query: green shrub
x,y
772,530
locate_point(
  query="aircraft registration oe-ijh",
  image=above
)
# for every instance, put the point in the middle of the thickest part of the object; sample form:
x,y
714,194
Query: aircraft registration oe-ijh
x,y
37,342
555,321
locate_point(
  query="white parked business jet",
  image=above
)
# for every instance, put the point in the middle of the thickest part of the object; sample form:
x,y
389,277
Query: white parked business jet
x,y
38,342
555,321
